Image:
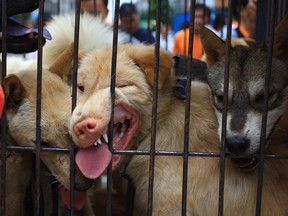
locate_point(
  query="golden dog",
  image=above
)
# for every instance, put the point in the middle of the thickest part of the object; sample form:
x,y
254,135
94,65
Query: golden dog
x,y
132,130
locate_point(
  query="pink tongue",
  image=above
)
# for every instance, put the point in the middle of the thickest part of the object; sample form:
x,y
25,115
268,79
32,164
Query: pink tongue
x,y
94,160
79,198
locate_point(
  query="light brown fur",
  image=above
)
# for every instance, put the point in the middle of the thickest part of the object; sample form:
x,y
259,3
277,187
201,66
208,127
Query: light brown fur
x,y
170,131
20,89
134,87
16,162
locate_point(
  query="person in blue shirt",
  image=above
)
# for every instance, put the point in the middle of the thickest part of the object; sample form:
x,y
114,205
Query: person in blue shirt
x,y
129,22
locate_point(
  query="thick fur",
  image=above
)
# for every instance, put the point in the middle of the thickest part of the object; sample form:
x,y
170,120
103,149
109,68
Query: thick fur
x,y
20,90
134,85
18,166
245,109
246,88
93,33
21,96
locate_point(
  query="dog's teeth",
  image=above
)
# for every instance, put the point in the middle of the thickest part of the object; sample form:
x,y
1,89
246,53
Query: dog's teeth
x,y
252,161
123,128
105,137
99,141
95,143
121,134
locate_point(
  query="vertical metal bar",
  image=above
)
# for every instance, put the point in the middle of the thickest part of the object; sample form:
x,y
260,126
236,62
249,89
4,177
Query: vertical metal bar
x,y
148,21
268,12
112,92
38,105
184,29
285,7
223,14
154,112
224,117
74,98
3,160
58,7
204,13
261,26
94,7
187,108
130,22
3,120
264,117
167,22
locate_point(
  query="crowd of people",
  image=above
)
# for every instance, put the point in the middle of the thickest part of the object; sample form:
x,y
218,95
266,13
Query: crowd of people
x,y
178,42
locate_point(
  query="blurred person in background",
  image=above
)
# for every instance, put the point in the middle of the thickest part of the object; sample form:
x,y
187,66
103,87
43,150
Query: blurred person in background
x,y
96,7
100,8
166,36
244,19
219,23
129,22
181,38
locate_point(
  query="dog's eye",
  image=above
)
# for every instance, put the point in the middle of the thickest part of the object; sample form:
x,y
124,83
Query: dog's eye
x,y
274,100
219,100
81,88
219,97
121,86
260,98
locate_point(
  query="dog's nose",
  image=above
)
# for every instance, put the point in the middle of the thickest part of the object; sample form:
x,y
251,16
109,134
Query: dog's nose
x,y
237,144
86,127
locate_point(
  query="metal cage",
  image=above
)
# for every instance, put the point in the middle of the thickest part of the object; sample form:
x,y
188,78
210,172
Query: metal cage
x,y
268,12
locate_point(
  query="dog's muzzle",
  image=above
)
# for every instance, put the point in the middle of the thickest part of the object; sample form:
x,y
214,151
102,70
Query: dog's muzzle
x,y
237,146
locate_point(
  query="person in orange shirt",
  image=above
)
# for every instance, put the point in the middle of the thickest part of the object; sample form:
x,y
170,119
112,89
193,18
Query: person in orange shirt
x,y
181,38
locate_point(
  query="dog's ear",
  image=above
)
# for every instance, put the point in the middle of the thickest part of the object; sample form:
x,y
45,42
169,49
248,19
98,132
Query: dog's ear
x,y
14,91
280,46
214,47
144,57
63,65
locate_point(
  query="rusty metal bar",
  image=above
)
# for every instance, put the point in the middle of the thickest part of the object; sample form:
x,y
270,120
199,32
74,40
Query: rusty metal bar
x,y
74,98
185,20
154,111
30,148
148,21
39,106
264,117
112,92
94,7
188,107
224,116
58,7
167,23
223,14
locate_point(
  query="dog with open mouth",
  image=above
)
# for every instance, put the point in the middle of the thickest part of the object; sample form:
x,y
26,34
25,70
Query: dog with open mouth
x,y
132,122
132,130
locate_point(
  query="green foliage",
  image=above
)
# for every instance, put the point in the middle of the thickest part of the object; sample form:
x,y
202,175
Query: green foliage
x,y
166,12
